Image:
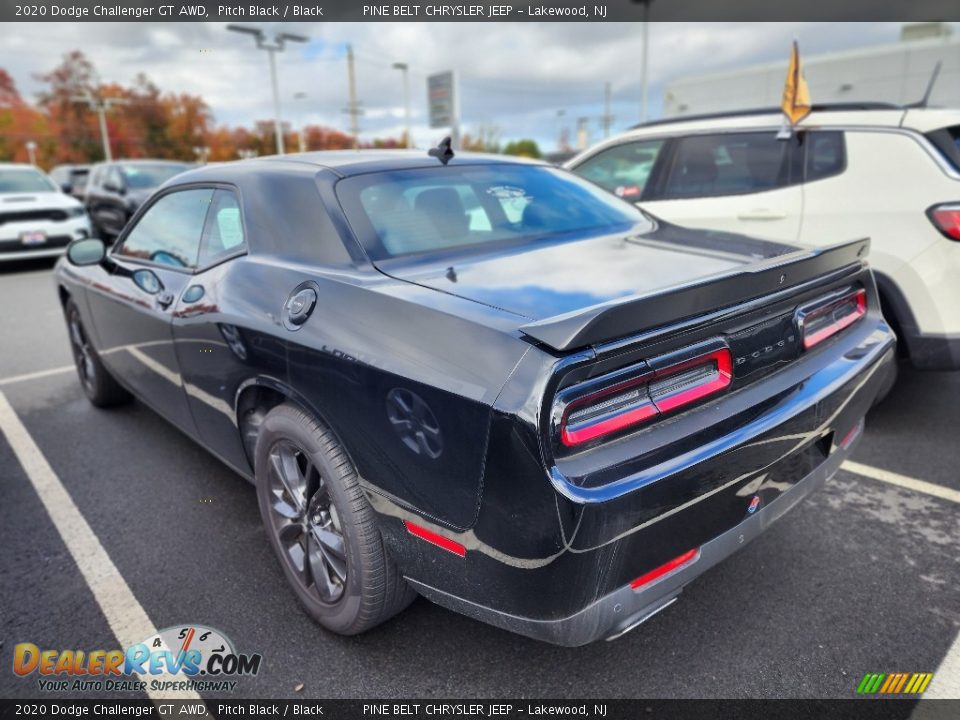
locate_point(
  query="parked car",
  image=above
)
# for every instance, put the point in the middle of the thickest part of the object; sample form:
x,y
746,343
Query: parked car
x,y
36,219
888,172
72,179
115,190
486,381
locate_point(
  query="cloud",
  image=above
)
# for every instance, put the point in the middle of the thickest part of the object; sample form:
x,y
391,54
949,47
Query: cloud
x,y
516,75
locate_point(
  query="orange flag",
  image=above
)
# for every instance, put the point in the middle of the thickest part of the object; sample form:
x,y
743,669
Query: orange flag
x,y
796,95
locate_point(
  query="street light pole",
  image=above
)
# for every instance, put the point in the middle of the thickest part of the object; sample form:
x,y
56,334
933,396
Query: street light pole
x,y
32,151
643,61
404,68
277,45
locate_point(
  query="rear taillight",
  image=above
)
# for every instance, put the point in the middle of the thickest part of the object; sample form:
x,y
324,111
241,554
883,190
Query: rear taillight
x,y
656,388
946,219
831,316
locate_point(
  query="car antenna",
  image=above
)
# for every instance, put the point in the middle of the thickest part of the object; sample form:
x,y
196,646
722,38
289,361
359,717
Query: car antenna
x,y
442,152
929,92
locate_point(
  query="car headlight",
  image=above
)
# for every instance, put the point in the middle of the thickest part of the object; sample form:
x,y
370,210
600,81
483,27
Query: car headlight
x,y
79,211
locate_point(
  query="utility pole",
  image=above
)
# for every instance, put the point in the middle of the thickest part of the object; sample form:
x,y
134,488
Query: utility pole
x,y
404,68
353,107
301,133
607,118
279,43
100,106
643,61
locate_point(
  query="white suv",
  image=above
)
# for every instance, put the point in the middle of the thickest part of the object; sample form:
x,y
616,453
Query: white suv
x,y
36,218
883,171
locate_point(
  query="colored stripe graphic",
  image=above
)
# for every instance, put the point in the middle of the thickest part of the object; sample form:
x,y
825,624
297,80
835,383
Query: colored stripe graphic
x,y
894,683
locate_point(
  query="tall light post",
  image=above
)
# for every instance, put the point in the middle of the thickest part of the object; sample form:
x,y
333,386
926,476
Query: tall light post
x,y
643,61
277,45
301,134
32,151
404,68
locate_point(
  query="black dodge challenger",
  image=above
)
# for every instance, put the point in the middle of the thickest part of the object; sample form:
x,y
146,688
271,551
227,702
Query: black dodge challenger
x,y
480,379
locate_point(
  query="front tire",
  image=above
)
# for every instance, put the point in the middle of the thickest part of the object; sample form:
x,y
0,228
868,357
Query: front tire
x,y
98,384
321,526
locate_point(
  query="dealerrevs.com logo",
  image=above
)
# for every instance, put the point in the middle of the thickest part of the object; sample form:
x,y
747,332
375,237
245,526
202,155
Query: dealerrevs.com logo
x,y
185,657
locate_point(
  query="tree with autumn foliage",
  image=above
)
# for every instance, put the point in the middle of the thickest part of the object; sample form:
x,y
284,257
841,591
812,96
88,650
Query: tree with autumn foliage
x,y
142,121
19,123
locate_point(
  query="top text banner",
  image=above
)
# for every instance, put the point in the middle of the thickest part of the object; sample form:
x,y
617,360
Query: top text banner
x,y
477,11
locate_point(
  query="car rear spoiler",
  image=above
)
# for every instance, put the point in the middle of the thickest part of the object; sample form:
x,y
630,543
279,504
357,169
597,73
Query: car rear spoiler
x,y
636,314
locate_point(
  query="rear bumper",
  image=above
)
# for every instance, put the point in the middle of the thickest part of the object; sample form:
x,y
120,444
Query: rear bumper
x,y
623,609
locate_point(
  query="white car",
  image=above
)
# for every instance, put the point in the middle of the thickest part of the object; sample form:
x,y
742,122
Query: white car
x,y
871,170
36,218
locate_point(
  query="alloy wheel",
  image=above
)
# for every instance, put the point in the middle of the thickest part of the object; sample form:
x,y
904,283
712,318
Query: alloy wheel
x,y
82,352
306,523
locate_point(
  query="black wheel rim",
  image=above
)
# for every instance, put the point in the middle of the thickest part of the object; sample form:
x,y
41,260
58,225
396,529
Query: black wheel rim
x,y
82,352
305,523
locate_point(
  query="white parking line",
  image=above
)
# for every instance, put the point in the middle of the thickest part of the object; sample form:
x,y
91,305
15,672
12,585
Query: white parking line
x,y
35,375
127,618
922,486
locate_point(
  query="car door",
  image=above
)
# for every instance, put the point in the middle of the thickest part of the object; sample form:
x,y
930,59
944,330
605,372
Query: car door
x,y
132,304
743,182
217,349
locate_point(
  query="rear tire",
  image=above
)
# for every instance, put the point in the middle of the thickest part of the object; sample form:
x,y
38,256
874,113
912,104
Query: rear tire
x,y
98,384
321,526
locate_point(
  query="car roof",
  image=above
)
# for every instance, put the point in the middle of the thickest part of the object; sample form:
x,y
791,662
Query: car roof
x,y
881,115
18,166
344,163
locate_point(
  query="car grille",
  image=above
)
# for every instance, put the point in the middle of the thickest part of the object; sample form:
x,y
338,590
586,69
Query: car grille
x,y
29,215
53,241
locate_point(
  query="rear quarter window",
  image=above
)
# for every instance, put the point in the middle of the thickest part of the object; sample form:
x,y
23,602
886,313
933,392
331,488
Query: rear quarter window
x,y
947,142
825,155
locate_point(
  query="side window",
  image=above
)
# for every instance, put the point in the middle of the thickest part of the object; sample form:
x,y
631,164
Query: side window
x,y
114,178
169,232
624,169
95,176
825,155
728,164
223,233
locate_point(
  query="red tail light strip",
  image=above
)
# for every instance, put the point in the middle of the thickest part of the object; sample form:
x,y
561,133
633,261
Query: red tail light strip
x,y
681,561
585,432
650,395
705,386
435,539
858,302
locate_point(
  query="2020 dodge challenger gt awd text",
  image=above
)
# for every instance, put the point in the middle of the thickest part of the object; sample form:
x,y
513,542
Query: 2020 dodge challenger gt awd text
x,y
485,381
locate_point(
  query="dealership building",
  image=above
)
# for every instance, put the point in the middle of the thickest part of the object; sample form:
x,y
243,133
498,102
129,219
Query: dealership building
x,y
898,73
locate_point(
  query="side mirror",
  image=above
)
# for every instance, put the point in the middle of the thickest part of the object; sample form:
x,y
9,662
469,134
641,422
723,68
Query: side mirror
x,y
119,190
66,187
89,251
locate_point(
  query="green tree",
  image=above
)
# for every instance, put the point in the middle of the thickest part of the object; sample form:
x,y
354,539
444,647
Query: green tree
x,y
523,148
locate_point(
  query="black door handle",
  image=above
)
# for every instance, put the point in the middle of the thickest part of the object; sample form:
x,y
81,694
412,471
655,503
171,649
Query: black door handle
x,y
164,299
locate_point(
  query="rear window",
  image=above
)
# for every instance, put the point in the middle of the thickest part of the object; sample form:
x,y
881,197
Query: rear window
x,y
435,209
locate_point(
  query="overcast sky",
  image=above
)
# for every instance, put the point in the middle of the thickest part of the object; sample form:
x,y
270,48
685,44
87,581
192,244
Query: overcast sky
x,y
514,75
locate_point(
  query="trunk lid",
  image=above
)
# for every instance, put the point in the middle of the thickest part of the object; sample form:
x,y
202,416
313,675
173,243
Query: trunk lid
x,y
586,291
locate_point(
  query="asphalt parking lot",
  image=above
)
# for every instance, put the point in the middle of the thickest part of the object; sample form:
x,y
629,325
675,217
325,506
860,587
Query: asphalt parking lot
x,y
862,577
